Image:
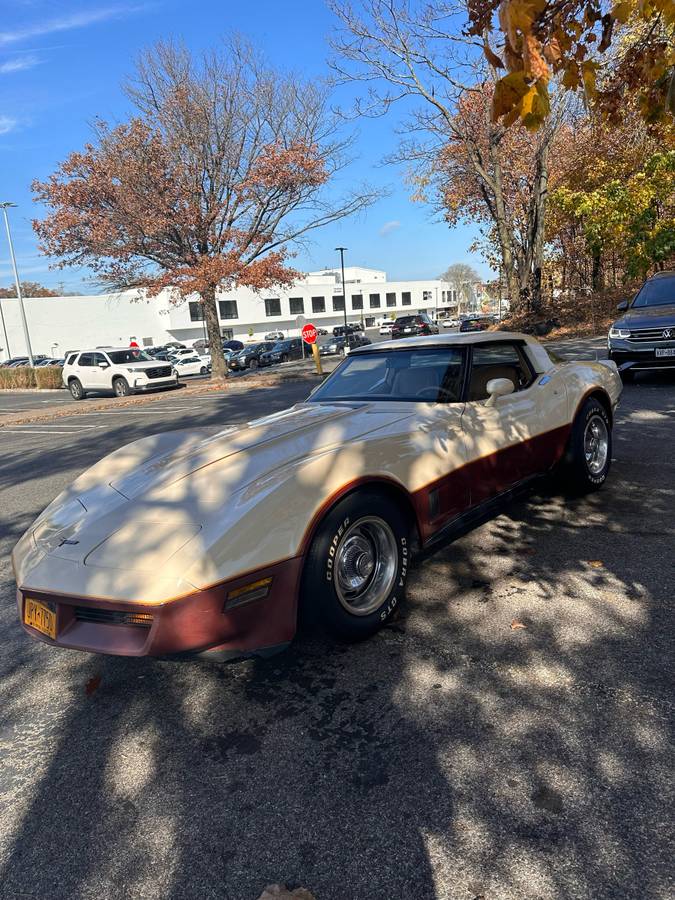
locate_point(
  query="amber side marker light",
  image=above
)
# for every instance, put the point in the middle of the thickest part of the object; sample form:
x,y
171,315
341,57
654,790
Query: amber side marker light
x,y
138,619
256,590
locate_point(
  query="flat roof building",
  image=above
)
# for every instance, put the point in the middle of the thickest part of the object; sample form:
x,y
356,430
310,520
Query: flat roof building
x,y
59,324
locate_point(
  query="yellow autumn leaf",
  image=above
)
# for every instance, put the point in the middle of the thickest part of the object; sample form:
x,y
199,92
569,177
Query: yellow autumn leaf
x,y
535,105
508,92
622,11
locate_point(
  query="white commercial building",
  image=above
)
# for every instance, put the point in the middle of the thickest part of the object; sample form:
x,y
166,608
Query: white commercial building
x,y
59,324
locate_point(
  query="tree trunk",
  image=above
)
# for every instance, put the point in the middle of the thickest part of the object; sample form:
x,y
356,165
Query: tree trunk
x,y
538,217
596,277
218,367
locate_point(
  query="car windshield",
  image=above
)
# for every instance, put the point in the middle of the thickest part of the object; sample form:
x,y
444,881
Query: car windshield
x,y
282,345
132,355
406,320
657,292
421,375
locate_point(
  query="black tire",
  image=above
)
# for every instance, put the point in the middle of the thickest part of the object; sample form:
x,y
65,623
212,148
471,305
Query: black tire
x,y
627,376
77,392
121,387
284,358
581,474
344,531
203,370
253,364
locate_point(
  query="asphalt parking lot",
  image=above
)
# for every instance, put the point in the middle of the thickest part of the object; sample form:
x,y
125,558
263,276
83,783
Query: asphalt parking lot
x,y
454,756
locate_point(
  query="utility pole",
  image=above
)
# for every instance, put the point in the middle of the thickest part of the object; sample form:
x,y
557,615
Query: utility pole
x,y
344,291
5,206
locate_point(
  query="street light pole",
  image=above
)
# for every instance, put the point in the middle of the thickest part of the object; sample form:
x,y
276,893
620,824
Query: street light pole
x,y
5,206
344,291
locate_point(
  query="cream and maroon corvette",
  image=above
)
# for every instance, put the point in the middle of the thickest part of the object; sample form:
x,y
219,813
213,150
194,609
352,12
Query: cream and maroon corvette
x,y
187,542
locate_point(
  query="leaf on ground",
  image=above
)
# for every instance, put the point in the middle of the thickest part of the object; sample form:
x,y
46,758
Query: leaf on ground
x,y
281,892
596,564
92,685
516,625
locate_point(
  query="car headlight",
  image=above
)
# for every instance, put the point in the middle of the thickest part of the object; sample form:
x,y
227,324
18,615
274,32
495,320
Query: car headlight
x,y
619,332
136,372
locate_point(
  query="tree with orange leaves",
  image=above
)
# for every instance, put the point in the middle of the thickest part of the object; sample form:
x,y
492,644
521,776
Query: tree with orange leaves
x,y
218,174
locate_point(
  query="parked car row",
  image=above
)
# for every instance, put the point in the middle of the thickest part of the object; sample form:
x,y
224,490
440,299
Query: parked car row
x,y
40,361
344,344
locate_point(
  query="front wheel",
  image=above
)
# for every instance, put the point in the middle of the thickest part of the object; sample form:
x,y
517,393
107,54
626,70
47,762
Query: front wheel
x,y
121,387
76,389
357,566
589,453
203,370
627,376
284,358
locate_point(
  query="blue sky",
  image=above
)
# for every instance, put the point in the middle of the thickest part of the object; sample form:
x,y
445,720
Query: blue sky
x,y
61,66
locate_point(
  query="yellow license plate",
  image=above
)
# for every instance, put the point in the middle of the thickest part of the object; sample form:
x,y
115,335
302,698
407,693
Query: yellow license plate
x,y
39,616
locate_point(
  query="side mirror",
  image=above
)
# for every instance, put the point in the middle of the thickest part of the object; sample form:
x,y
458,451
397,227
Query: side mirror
x,y
105,365
498,387
622,306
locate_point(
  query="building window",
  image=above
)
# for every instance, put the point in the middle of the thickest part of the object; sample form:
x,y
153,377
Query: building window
x,y
374,301
391,299
426,296
148,342
318,304
338,303
196,311
297,306
357,301
227,333
405,298
370,321
273,306
228,309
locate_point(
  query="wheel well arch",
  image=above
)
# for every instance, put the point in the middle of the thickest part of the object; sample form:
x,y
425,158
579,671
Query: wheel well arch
x,y
387,486
603,399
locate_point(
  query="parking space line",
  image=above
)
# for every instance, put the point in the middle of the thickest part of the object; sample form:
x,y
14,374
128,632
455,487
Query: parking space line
x,y
38,431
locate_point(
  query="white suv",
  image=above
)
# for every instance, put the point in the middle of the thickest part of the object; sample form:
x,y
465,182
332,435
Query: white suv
x,y
123,372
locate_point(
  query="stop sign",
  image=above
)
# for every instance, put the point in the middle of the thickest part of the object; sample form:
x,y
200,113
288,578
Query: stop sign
x,y
309,334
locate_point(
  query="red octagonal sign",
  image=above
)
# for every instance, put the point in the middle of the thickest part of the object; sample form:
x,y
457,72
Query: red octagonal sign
x,y
309,333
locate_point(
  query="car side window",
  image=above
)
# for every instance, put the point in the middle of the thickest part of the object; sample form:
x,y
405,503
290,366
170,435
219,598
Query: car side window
x,y
503,360
71,359
99,359
87,359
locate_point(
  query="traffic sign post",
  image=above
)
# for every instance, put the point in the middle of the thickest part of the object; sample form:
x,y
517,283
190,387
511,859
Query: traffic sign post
x,y
309,337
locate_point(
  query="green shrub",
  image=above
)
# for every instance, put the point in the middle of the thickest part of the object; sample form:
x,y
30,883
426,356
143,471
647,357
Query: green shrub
x,y
25,377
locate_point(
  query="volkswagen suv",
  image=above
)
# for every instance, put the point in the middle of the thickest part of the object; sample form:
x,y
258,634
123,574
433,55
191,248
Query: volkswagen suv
x,y
644,337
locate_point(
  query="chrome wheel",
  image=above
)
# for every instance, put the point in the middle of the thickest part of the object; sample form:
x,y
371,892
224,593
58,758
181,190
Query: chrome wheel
x,y
366,561
596,444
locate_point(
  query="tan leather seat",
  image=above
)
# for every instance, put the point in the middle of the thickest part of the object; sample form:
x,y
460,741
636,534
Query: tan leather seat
x,y
483,374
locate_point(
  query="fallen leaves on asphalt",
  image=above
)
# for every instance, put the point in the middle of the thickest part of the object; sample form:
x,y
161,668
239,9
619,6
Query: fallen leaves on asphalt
x,y
596,564
515,625
92,685
281,892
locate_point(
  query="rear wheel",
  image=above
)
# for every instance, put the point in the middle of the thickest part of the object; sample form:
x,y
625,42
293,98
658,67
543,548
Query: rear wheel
x,y
284,358
76,390
589,453
357,566
121,387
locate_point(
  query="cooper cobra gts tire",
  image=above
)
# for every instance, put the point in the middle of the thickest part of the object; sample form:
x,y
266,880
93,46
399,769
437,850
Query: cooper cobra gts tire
x,y
589,453
357,566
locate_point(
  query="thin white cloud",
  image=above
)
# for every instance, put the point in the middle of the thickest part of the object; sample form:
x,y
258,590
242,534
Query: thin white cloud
x,y
18,65
388,227
7,124
67,23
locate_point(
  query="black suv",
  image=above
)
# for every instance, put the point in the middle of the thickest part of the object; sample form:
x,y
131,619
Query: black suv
x,y
644,337
407,326
349,328
249,357
282,351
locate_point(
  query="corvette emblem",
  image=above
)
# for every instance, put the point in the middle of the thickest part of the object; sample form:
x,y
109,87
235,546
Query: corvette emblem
x,y
667,333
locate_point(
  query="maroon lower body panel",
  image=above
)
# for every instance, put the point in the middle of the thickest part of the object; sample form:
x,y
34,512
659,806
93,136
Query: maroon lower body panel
x,y
195,623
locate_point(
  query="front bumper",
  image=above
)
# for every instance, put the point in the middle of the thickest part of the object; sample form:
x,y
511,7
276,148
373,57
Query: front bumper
x,y
640,356
151,384
200,622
